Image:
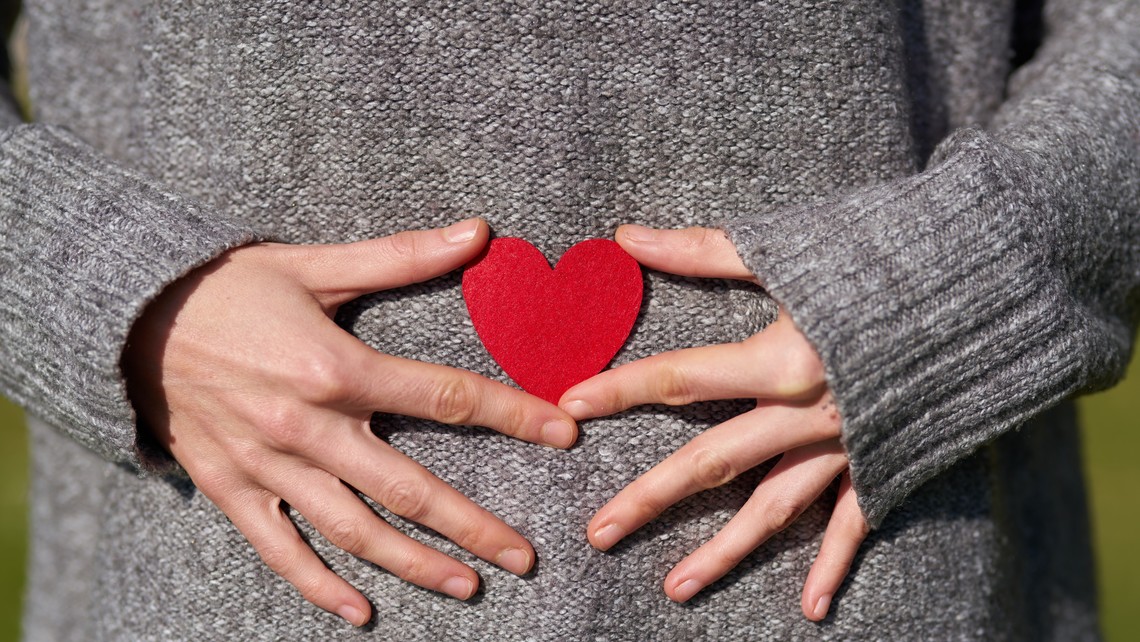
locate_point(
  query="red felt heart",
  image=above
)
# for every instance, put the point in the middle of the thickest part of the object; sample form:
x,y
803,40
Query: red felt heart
x,y
550,329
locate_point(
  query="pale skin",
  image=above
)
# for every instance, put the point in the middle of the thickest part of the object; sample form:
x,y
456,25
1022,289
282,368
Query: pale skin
x,y
795,420
240,372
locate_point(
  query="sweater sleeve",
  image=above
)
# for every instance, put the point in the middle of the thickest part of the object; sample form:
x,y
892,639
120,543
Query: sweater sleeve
x,y
951,306
86,245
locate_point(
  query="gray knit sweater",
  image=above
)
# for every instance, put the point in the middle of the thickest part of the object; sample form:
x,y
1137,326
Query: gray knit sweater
x,y
957,233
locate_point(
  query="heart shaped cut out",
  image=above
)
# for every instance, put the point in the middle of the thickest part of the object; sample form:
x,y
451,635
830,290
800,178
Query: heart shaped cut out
x,y
552,328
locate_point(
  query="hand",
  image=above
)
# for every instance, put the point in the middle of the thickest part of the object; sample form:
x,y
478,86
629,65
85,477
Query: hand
x,y
240,372
795,418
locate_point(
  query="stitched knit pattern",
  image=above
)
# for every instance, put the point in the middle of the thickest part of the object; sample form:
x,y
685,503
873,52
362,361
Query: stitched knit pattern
x,y
945,311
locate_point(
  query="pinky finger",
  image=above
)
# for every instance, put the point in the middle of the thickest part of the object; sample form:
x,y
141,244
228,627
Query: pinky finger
x,y
845,533
280,546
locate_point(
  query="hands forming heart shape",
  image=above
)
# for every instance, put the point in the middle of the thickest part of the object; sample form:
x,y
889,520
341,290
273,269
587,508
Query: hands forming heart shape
x,y
239,371
579,314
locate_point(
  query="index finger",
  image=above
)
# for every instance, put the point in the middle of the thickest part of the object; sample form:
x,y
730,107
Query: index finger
x,y
695,251
713,458
776,363
407,489
458,397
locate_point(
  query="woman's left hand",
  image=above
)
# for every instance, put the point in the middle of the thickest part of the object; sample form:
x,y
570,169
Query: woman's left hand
x,y
795,418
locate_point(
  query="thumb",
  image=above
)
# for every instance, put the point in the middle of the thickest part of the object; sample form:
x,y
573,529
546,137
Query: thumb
x,y
340,273
694,251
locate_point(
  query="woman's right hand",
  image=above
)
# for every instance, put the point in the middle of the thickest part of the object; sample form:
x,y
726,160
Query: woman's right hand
x,y
240,372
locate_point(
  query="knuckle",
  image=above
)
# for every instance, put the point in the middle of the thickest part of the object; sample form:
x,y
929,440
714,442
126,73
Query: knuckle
x,y
414,568
648,506
514,420
710,468
454,400
249,456
673,387
730,557
408,498
281,558
470,535
348,534
321,378
313,589
706,237
404,249
781,512
283,425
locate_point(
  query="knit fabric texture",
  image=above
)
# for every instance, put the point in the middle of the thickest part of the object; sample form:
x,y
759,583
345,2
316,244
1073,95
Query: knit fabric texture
x,y
957,237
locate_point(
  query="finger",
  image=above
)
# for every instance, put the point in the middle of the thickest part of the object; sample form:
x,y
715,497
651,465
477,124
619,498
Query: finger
x,y
340,273
258,515
409,490
841,541
786,491
694,251
776,363
711,459
456,397
345,521
677,378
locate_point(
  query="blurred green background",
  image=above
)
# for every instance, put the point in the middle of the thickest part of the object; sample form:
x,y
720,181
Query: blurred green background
x,y
1112,449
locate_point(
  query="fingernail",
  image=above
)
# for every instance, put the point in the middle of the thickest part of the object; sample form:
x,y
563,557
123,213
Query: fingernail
x,y
606,536
462,231
514,560
821,606
578,409
557,433
686,590
640,233
354,615
459,587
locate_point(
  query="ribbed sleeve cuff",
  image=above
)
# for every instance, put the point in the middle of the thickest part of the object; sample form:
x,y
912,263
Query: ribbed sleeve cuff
x,y
86,246
941,321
